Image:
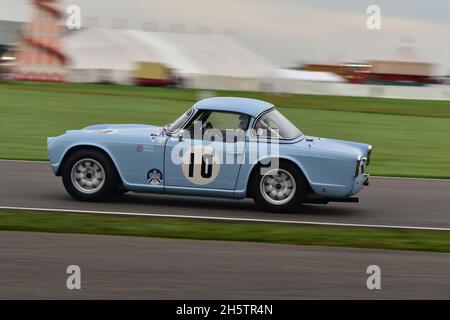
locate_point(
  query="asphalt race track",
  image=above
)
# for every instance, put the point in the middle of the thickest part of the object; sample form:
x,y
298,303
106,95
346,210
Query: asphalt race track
x,y
33,266
387,201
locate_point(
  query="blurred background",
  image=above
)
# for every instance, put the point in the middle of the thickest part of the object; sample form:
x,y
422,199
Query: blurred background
x,y
314,47
68,64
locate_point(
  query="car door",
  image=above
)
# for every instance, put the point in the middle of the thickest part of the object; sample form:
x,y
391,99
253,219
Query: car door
x,y
206,156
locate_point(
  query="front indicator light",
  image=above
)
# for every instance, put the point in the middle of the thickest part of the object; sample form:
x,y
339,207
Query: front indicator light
x,y
358,166
369,153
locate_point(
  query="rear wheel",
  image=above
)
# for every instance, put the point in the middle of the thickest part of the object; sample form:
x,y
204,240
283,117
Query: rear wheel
x,y
89,175
281,189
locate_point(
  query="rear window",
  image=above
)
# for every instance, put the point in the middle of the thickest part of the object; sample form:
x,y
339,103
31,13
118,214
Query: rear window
x,y
274,124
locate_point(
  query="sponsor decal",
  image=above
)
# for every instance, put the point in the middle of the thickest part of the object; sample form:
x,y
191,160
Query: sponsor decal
x,y
144,148
154,176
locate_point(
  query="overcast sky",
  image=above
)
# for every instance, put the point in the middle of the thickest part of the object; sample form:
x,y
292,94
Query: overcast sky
x,y
287,32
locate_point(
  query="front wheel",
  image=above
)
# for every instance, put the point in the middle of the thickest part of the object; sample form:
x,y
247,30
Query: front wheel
x,y
89,175
280,190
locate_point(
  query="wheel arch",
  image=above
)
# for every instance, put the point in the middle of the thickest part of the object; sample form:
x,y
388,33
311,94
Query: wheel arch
x,y
75,148
285,159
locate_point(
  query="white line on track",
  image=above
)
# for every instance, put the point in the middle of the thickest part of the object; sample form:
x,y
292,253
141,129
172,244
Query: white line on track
x,y
411,178
314,223
377,177
24,161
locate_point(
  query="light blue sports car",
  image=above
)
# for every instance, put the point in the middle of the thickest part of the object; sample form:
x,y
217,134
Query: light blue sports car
x,y
220,147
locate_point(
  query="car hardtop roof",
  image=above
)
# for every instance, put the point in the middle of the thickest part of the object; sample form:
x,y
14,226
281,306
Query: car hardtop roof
x,y
252,107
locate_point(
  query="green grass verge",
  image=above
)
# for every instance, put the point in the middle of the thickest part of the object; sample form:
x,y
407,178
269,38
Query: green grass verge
x,y
438,241
410,138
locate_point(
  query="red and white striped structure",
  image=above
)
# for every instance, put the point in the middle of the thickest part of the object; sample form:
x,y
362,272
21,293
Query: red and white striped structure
x,y
40,56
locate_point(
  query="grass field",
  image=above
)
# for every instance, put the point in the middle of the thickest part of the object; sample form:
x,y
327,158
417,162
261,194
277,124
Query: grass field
x,y
410,138
437,241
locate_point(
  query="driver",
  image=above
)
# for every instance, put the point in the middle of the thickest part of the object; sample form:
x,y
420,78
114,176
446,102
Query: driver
x,y
243,121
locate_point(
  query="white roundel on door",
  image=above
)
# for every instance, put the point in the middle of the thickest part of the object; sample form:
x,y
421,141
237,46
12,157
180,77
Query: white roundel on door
x,y
201,164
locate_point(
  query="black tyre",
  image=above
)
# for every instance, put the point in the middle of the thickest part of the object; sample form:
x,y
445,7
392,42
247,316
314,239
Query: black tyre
x,y
89,175
279,190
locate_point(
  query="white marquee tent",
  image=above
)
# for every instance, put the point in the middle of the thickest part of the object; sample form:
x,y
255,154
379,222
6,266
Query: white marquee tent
x,y
214,61
299,81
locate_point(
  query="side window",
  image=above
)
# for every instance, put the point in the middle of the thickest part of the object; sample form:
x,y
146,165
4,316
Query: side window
x,y
216,124
225,120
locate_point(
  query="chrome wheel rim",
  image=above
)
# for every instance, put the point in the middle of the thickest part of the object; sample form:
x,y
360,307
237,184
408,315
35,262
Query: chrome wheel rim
x,y
277,186
88,176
